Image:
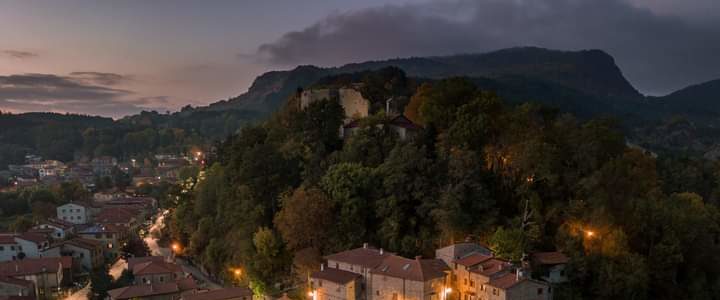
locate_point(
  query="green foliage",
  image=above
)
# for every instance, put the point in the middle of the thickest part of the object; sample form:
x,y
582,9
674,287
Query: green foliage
x,y
520,178
100,283
507,243
21,224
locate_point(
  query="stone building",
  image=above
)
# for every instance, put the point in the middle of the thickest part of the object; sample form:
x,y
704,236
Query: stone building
x,y
335,284
399,278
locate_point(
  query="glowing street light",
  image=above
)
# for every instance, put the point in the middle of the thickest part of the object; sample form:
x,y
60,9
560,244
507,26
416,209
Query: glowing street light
x,y
589,233
175,247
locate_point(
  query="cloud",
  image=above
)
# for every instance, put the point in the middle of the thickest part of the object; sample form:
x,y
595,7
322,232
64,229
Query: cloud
x,y
101,78
18,54
657,52
72,93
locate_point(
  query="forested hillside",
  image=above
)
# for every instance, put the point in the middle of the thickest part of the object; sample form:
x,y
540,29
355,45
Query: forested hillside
x,y
65,137
518,177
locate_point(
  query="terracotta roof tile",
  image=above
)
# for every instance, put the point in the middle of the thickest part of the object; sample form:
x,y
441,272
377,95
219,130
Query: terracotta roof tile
x,y
34,265
491,267
221,294
549,258
412,269
472,259
367,257
335,275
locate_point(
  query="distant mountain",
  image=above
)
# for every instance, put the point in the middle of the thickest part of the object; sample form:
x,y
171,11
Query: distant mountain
x,y
577,74
700,101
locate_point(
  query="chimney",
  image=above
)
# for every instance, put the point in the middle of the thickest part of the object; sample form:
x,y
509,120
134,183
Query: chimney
x,y
387,106
322,267
419,257
381,251
517,275
365,245
17,268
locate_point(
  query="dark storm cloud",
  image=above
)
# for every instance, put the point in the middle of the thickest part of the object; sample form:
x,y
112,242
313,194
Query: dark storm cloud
x,y
47,92
18,54
658,53
101,78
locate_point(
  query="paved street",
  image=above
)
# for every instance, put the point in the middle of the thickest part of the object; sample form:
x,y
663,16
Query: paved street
x,y
117,268
155,249
81,294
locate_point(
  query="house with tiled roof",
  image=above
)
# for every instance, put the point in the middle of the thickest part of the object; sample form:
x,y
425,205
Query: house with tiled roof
x,y
74,212
514,285
359,260
87,254
232,293
46,274
402,278
21,245
10,286
154,269
60,228
550,266
157,291
109,234
333,284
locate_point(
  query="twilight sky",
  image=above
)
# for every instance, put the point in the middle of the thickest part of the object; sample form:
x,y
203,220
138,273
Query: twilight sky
x,y
115,58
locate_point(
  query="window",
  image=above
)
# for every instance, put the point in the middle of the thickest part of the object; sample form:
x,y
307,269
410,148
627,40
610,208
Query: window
x,y
82,255
162,278
482,287
98,235
394,296
337,265
2,248
472,283
19,248
64,210
377,293
57,234
540,291
320,283
12,248
495,292
465,281
351,267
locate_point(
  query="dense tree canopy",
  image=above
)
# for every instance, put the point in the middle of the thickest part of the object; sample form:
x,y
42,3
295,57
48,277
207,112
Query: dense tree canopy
x,y
520,178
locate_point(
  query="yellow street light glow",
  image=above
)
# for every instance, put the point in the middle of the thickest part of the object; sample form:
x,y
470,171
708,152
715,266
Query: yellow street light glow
x,y
589,233
176,247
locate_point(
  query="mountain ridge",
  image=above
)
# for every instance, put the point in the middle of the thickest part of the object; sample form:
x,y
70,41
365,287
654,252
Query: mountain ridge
x,y
593,72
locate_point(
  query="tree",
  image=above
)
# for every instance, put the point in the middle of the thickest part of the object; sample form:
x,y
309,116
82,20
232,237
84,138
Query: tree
x,y
269,262
507,243
21,224
410,188
440,101
305,219
353,190
100,283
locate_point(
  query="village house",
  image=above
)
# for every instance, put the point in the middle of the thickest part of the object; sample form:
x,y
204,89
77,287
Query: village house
x,y
87,254
13,287
157,291
118,216
47,274
15,246
335,284
109,234
103,165
550,266
154,270
410,279
233,293
74,212
361,261
511,285
401,125
60,229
